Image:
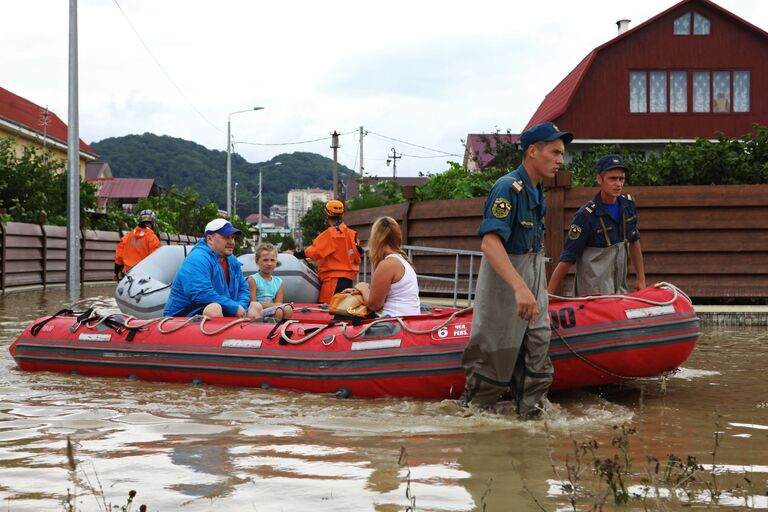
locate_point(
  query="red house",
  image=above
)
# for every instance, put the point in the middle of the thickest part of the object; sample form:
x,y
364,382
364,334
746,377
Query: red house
x,y
694,70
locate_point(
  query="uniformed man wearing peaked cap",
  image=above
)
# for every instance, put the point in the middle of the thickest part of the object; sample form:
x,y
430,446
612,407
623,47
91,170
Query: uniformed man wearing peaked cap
x,y
602,237
509,343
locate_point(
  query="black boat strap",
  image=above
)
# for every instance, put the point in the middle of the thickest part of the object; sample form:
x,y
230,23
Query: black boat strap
x,y
35,329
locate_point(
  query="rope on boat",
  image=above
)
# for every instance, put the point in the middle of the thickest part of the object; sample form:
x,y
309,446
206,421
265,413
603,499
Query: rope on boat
x,y
222,328
402,323
284,336
174,329
602,368
676,292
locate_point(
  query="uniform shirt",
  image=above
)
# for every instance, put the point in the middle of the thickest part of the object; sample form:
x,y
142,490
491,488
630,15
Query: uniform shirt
x,y
587,229
335,251
136,245
266,291
514,210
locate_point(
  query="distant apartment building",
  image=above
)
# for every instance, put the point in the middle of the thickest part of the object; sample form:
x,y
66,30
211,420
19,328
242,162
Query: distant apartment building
x,y
300,200
278,211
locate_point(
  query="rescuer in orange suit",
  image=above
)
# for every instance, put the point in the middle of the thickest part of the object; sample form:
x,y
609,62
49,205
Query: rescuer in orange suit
x,y
336,251
136,245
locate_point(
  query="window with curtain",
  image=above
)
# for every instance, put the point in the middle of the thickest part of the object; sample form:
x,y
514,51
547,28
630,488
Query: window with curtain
x,y
658,91
700,25
682,25
701,91
678,91
638,91
721,91
667,91
741,91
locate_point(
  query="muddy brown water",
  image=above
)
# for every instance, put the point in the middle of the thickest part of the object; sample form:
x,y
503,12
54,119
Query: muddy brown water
x,y
200,448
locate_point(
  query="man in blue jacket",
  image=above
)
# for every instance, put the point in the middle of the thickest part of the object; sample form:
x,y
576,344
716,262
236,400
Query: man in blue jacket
x,y
602,238
211,281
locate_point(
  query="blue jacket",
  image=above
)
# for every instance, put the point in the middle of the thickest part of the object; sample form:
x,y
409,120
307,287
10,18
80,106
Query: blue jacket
x,y
200,281
593,226
514,210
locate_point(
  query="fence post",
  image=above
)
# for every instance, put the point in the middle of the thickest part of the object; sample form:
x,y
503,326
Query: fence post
x,y
555,218
2,254
82,251
42,218
409,192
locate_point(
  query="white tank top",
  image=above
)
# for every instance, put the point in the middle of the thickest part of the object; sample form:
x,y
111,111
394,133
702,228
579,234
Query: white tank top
x,y
403,296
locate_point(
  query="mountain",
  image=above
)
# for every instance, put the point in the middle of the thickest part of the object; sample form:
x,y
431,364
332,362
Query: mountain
x,y
173,161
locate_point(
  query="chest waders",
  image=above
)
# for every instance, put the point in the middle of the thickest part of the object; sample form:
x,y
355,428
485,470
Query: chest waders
x,y
603,270
505,351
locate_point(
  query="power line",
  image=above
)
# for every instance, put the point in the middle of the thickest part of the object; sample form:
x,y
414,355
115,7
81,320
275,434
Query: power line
x,y
424,156
412,144
291,143
168,76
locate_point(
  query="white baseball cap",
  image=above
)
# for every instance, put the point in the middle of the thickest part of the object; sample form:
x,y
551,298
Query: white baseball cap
x,y
220,226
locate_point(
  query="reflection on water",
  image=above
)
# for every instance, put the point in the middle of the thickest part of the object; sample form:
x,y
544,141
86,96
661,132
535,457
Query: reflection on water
x,y
203,448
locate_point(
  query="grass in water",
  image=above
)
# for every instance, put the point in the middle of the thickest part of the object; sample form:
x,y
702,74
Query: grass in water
x,y
78,475
590,479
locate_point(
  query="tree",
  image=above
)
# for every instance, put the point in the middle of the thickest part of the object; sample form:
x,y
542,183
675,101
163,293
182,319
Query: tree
x,y
458,183
742,160
33,183
180,211
375,193
313,223
506,153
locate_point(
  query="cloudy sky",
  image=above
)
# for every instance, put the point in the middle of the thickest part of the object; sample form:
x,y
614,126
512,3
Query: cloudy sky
x,y
424,73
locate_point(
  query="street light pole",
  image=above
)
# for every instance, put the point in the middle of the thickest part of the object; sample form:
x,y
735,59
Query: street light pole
x,y
234,203
261,214
73,162
229,157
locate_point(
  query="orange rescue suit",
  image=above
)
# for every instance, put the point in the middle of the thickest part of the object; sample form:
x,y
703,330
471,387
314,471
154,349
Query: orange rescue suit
x,y
136,245
336,251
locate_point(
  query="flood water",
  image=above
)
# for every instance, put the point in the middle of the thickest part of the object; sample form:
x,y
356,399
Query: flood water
x,y
201,448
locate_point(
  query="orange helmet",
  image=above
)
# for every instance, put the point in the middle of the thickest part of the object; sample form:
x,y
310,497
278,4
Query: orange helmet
x,y
334,208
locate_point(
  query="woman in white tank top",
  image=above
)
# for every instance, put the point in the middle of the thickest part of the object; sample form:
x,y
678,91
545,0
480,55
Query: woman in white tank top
x,y
394,290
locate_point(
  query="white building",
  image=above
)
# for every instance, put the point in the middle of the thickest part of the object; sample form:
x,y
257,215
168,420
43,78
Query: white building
x,y
278,211
300,200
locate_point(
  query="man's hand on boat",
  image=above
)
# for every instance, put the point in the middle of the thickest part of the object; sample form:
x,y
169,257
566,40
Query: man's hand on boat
x,y
526,304
254,311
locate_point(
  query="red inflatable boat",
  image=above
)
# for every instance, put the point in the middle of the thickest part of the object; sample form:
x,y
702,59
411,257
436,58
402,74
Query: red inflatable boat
x,y
594,341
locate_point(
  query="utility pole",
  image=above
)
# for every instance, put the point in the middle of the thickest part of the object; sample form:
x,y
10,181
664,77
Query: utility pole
x,y
73,162
234,203
362,164
335,146
394,157
44,121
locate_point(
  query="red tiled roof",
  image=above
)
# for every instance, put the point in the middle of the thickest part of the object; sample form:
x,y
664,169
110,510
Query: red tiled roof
x,y
476,142
124,188
559,99
254,218
23,112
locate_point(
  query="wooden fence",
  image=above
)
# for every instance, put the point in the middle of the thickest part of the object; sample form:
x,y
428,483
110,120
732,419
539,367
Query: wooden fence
x,y
712,241
36,254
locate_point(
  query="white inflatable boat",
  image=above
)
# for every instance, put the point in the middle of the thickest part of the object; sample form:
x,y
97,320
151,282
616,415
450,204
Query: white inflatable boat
x,y
144,290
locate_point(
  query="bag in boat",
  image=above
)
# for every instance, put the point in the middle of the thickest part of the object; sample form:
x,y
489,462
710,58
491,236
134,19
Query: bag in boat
x,y
347,304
